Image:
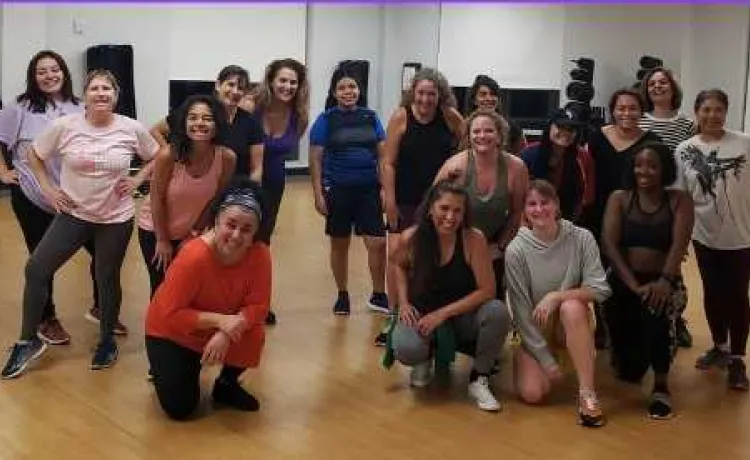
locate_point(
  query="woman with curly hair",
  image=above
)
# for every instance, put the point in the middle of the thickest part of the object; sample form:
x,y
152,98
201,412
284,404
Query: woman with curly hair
x,y
485,94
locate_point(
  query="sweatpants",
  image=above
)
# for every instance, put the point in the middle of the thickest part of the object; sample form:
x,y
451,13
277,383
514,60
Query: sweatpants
x,y
487,327
64,237
726,276
34,222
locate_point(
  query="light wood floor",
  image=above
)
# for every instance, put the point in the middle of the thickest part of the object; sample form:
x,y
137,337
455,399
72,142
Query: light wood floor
x,y
322,390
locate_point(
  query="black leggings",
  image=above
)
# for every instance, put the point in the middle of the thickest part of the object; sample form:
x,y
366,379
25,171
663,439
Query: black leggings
x,y
34,222
726,276
273,194
176,372
147,241
64,237
639,337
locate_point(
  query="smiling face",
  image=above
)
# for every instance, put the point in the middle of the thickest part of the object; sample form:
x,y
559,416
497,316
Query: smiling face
x,y
647,169
660,89
711,116
235,228
426,97
49,76
486,99
200,125
562,135
447,213
627,112
230,91
347,92
101,95
541,211
483,135
285,84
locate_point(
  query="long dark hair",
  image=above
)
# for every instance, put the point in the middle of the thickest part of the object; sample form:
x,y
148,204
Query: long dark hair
x,y
179,141
425,248
37,99
340,73
571,183
301,101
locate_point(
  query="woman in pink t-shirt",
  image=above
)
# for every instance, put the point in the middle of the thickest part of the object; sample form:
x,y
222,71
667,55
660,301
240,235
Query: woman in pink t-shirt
x,y
188,174
93,200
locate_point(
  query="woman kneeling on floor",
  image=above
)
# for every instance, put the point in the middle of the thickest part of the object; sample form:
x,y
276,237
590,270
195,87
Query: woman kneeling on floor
x,y
554,273
446,294
211,308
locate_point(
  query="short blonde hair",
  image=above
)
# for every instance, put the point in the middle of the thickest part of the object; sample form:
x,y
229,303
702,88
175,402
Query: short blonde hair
x,y
102,73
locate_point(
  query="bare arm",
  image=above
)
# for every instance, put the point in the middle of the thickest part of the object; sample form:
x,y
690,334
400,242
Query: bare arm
x,y
518,187
454,168
394,132
7,176
256,162
682,230
163,166
316,169
611,237
160,132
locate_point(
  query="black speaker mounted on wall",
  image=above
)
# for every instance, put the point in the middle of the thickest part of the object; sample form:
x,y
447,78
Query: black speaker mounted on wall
x,y
118,59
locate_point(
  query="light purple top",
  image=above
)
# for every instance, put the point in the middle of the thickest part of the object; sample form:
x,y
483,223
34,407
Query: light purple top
x,y
18,127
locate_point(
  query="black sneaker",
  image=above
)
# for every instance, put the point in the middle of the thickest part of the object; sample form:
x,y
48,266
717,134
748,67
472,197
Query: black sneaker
x,y
381,339
21,355
342,306
378,303
660,406
271,318
715,357
737,375
233,395
684,338
105,355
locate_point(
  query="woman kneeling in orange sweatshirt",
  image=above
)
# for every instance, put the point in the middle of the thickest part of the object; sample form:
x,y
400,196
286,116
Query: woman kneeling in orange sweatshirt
x,y
211,308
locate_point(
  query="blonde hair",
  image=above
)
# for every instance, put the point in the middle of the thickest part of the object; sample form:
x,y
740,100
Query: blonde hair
x,y
501,126
102,73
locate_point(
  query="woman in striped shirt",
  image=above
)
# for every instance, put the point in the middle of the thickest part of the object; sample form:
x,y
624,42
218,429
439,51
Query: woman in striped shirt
x,y
662,96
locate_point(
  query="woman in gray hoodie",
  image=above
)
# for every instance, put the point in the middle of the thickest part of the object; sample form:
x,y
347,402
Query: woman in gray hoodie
x,y
554,273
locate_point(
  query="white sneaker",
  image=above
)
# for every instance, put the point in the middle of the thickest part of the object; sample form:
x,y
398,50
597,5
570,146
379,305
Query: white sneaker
x,y
421,374
480,392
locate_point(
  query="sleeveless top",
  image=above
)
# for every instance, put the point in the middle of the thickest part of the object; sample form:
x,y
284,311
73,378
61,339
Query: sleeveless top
x,y
489,213
423,149
277,148
641,229
187,197
449,283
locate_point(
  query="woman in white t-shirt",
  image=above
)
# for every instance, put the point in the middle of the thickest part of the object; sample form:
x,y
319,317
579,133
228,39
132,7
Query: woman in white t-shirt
x,y
93,201
714,171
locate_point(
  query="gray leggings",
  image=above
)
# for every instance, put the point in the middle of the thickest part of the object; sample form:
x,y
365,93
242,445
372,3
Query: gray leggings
x,y
486,326
65,236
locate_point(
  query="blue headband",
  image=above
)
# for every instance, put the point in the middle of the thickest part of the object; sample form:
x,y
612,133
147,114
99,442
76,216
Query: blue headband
x,y
246,199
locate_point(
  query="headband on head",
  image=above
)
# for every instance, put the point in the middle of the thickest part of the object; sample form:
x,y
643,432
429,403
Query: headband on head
x,y
246,199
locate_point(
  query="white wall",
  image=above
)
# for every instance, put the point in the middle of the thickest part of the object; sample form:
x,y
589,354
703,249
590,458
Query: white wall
x,y
23,35
719,57
519,45
412,34
616,36
186,42
337,33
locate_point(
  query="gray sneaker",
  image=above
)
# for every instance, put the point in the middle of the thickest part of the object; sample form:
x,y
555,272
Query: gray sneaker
x,y
715,357
23,354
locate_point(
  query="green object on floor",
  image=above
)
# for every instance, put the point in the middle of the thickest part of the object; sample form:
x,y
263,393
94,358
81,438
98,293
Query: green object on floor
x,y
444,345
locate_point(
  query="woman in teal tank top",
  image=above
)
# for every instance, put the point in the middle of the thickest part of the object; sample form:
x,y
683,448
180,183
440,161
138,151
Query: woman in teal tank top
x,y
496,182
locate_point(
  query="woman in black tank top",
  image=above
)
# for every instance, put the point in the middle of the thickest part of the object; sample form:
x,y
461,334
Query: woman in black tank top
x,y
645,236
446,294
423,132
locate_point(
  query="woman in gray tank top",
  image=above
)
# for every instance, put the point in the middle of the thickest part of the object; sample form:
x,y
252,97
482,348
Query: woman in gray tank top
x,y
495,180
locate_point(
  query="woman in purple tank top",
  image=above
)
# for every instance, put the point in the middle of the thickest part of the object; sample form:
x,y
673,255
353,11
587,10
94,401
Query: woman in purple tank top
x,y
283,112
